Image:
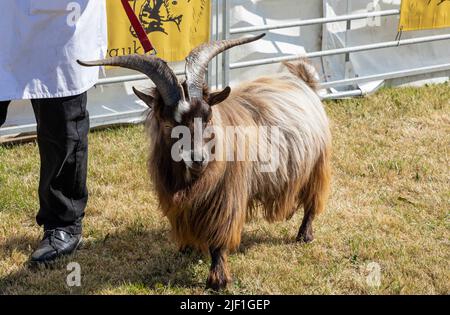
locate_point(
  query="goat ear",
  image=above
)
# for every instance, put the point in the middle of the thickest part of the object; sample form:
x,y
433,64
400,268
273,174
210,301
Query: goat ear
x,y
147,98
218,97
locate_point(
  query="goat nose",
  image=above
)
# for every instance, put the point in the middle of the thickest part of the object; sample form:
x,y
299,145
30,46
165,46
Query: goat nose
x,y
196,158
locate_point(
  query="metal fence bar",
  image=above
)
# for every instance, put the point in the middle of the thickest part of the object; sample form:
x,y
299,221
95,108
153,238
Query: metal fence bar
x,y
120,79
226,35
340,18
217,37
128,78
211,35
344,94
388,75
95,121
338,51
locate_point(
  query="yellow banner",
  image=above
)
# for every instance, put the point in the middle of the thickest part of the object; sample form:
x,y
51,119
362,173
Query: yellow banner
x,y
424,14
174,27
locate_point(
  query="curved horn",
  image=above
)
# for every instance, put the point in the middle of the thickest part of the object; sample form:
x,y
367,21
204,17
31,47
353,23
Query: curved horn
x,y
155,68
198,59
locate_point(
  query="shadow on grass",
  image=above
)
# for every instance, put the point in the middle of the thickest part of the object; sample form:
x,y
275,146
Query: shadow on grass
x,y
137,261
18,243
254,239
130,260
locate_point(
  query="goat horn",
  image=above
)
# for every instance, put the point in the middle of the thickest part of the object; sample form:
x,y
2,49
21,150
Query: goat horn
x,y
155,68
198,59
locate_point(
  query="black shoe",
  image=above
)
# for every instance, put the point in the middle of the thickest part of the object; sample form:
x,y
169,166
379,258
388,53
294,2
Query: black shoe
x,y
56,243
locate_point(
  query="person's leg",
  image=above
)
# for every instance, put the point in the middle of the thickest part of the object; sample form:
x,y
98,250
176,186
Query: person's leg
x,y
3,111
62,130
63,126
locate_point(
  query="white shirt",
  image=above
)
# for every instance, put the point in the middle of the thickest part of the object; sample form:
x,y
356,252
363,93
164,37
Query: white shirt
x,y
40,41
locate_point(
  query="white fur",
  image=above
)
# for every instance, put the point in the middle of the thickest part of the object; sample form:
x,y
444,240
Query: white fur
x,y
182,107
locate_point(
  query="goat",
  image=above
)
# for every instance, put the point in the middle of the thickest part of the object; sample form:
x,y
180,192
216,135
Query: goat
x,y
207,201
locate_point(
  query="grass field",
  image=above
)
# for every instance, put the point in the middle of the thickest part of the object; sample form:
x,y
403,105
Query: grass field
x,y
389,206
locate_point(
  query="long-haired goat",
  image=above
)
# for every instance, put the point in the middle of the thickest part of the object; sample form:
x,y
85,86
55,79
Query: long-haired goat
x,y
207,201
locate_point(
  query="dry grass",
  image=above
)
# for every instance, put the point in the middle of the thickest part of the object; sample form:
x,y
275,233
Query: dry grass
x,y
389,205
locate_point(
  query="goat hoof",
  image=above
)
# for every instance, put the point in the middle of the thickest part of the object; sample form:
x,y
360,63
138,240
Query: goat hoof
x,y
216,283
305,234
305,238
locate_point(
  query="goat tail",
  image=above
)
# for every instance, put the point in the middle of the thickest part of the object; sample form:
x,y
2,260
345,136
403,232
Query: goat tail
x,y
303,69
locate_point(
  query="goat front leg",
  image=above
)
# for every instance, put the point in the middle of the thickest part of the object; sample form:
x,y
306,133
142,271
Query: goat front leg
x,y
219,275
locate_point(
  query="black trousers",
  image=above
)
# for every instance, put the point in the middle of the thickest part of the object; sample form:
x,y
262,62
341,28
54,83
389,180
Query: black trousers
x,y
62,136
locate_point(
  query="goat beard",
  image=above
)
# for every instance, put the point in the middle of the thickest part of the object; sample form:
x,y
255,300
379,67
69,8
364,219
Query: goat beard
x,y
211,177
